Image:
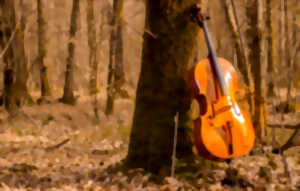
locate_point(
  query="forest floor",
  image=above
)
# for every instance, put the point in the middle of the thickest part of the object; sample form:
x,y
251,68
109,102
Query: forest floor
x,y
60,147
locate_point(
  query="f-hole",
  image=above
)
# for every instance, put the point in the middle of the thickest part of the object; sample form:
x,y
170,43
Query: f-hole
x,y
228,132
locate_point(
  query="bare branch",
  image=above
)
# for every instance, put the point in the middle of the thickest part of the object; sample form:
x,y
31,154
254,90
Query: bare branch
x,y
8,43
286,126
291,142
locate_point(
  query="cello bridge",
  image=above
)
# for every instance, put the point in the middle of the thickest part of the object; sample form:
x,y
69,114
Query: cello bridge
x,y
222,110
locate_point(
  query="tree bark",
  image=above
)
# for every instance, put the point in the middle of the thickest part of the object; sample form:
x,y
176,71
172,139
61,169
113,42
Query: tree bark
x,y
45,86
92,42
162,90
256,38
116,76
68,96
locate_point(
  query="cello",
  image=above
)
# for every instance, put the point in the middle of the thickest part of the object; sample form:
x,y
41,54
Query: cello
x,y
223,130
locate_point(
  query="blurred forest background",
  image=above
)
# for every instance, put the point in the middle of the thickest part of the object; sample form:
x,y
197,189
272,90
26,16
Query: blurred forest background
x,y
69,73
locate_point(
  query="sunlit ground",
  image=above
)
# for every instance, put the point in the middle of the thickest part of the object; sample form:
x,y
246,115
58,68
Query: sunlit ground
x,y
60,147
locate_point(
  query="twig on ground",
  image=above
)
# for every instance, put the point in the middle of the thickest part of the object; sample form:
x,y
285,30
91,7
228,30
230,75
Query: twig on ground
x,y
174,146
51,148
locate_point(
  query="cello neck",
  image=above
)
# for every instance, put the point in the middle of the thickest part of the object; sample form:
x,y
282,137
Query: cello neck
x,y
200,19
214,60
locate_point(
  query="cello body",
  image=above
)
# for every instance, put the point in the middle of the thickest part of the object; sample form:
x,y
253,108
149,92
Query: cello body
x,y
222,130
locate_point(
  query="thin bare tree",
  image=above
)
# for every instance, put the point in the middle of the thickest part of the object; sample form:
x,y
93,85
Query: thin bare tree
x,y
116,76
45,86
68,96
93,47
93,62
281,44
270,49
255,33
291,59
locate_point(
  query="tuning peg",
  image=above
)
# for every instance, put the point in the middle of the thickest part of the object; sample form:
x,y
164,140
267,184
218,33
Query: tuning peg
x,y
194,12
196,15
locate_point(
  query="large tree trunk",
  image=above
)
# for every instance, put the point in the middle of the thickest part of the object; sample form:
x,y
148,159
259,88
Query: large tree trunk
x,y
116,77
45,86
92,42
162,90
68,96
15,72
256,39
